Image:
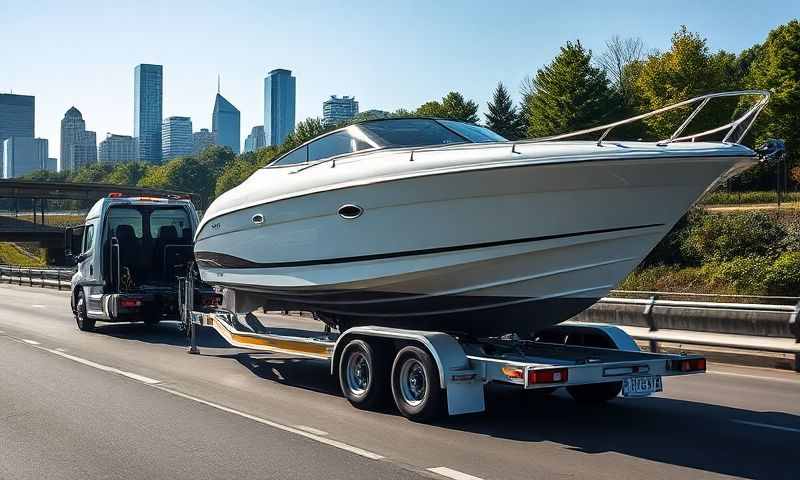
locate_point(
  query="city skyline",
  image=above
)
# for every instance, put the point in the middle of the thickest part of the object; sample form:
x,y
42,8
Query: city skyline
x,y
98,80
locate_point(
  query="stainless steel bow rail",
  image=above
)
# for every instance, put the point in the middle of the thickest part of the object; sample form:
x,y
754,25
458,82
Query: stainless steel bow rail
x,y
745,120
36,276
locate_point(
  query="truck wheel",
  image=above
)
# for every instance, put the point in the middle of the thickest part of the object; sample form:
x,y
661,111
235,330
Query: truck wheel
x,y
596,393
85,323
362,374
415,385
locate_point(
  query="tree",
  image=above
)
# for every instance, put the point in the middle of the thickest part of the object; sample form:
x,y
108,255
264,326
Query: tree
x,y
453,106
92,173
617,62
503,117
568,94
128,173
684,71
215,158
183,174
776,66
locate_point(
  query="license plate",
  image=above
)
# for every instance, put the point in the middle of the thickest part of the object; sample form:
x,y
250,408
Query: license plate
x,y
641,386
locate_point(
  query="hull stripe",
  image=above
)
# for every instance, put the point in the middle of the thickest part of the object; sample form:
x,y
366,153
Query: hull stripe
x,y
221,260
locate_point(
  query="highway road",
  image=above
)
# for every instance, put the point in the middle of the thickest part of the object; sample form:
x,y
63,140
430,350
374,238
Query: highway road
x,y
129,402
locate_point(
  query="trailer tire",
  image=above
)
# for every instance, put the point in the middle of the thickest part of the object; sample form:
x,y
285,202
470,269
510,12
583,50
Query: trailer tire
x,y
596,393
363,368
415,385
85,324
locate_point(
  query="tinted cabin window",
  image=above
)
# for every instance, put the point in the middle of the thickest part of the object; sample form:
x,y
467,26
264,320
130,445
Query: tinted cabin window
x,y
473,132
298,156
410,133
172,218
334,144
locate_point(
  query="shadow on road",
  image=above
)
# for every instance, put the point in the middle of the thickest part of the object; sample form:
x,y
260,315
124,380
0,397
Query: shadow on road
x,y
706,437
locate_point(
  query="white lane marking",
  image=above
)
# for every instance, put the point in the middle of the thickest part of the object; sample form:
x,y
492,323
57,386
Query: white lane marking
x,y
38,305
313,430
105,368
454,474
31,342
756,377
767,425
280,426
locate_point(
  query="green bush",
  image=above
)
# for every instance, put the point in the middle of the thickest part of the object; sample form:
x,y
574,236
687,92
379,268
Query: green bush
x,y
742,275
783,277
713,237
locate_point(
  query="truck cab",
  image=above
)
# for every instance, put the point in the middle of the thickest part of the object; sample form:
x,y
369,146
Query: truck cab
x,y
129,252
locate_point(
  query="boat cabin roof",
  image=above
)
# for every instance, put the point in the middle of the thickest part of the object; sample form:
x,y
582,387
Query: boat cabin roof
x,y
387,133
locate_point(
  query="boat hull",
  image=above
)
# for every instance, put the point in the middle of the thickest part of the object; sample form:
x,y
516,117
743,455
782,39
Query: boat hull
x,y
485,252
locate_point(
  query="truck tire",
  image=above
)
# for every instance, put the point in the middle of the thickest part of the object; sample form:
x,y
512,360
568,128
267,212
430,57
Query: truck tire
x,y
362,374
595,393
415,385
85,323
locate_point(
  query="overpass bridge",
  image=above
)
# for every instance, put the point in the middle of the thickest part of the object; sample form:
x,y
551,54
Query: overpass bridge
x,y
36,224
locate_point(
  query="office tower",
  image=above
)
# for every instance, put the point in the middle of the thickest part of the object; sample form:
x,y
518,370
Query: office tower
x,y
279,103
147,106
339,110
52,165
202,140
176,137
24,155
117,149
225,123
78,146
16,117
255,140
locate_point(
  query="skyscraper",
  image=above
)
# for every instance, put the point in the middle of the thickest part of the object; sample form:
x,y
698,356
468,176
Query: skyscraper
x,y
78,146
117,149
202,140
255,140
16,117
336,110
279,103
176,137
23,155
225,123
147,105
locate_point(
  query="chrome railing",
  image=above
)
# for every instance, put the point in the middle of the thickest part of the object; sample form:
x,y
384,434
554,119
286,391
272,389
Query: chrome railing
x,y
745,120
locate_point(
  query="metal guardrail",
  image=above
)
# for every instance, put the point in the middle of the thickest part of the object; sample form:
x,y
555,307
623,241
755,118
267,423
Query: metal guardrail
x,y
653,334
60,278
36,276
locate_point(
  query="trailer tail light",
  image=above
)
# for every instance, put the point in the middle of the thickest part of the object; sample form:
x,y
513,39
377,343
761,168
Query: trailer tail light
x,y
689,365
115,195
555,375
513,373
130,303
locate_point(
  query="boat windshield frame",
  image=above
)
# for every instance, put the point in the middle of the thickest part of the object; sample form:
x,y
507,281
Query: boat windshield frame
x,y
364,133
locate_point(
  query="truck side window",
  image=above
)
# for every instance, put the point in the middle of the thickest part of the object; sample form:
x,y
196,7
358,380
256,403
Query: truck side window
x,y
88,238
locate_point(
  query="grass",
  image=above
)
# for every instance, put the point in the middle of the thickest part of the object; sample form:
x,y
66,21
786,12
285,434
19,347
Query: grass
x,y
12,254
739,198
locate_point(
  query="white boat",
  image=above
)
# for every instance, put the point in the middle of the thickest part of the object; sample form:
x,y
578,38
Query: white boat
x,y
439,225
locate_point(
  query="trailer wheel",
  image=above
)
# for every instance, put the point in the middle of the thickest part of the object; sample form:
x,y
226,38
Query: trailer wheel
x,y
595,393
415,385
362,373
85,323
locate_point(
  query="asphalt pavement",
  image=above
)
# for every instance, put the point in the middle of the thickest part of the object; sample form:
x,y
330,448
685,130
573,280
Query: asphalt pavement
x,y
127,401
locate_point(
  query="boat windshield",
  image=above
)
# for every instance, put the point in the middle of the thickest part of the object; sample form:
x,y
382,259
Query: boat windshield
x,y
410,132
474,133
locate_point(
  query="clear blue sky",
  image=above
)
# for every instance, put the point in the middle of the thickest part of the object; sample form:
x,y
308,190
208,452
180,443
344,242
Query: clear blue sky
x,y
388,54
